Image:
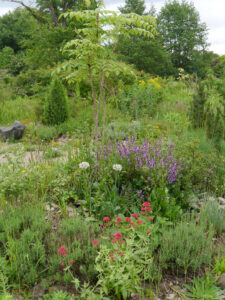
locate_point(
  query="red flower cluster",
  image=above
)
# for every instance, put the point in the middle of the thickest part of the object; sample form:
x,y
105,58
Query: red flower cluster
x,y
106,219
95,242
135,216
146,207
63,253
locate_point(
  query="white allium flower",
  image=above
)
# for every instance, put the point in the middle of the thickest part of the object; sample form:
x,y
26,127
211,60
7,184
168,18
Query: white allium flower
x,y
84,165
117,167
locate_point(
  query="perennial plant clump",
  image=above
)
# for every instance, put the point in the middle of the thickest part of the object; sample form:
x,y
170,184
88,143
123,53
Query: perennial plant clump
x,y
124,259
157,157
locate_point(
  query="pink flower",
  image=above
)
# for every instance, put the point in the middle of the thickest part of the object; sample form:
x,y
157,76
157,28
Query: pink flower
x,y
114,241
118,219
118,235
128,220
102,225
106,219
150,218
143,213
148,232
146,204
116,249
95,242
135,216
62,251
122,242
65,255
139,221
62,264
71,261
120,254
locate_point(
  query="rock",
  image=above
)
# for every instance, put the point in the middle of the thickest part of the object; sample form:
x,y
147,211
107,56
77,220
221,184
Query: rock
x,y
15,131
71,211
221,281
221,200
38,292
80,203
171,297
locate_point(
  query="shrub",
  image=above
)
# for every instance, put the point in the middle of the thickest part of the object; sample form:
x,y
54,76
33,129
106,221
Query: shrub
x,y
22,233
140,99
76,235
124,259
213,215
56,106
186,246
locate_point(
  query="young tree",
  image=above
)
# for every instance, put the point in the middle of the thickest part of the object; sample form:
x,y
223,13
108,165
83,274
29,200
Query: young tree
x,y
133,6
56,107
181,31
91,60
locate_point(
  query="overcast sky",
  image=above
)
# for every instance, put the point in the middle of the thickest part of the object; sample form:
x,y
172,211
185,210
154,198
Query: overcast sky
x,y
212,12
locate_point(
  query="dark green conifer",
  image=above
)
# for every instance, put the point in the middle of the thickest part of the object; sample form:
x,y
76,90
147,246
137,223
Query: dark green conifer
x,y
198,107
56,106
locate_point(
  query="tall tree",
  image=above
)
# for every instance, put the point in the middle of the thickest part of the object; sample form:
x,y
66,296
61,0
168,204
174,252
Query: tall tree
x,y
146,55
133,6
181,31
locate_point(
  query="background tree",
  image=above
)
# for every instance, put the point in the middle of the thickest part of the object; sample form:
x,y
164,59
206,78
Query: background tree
x,y
146,55
181,32
133,6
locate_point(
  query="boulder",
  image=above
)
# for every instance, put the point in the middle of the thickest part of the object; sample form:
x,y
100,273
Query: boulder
x,y
221,281
15,131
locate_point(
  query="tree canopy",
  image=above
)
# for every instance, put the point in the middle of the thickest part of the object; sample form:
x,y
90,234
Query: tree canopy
x,y
181,32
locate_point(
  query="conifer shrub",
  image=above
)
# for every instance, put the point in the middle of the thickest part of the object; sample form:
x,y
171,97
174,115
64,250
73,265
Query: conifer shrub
x,y
197,114
56,106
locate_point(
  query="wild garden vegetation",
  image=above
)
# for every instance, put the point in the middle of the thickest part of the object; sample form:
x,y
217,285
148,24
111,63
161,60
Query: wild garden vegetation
x,y
117,188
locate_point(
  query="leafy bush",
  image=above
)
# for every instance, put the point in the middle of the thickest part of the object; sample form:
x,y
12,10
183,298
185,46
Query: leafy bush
x,y
186,246
56,106
140,99
124,260
31,82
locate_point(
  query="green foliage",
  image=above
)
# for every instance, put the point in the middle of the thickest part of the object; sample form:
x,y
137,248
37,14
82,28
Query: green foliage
x,y
219,265
203,289
197,113
22,241
140,99
133,6
5,56
76,234
20,109
14,28
123,274
187,246
219,67
31,82
213,215
56,106
181,32
148,56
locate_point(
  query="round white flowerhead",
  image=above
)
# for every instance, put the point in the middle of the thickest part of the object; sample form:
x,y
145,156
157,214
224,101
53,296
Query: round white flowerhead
x,y
84,165
117,167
